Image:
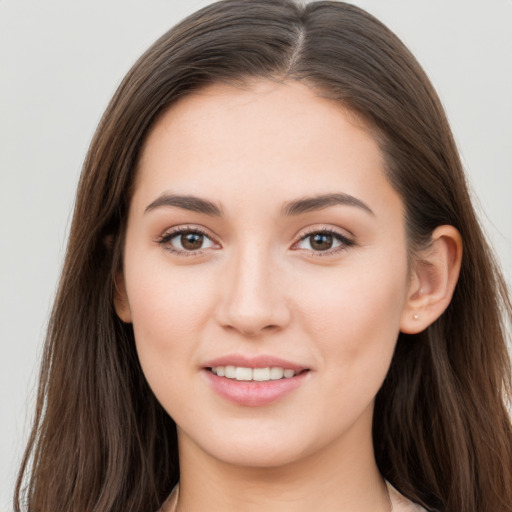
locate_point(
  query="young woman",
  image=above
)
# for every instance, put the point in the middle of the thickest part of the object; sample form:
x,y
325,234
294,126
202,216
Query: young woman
x,y
276,294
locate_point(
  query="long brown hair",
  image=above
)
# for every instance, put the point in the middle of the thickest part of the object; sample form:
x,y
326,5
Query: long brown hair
x,y
442,434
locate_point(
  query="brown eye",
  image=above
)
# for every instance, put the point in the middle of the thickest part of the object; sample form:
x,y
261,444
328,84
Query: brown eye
x,y
324,241
321,241
186,241
191,241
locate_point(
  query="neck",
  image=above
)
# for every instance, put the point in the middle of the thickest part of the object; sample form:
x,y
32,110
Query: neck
x,y
342,476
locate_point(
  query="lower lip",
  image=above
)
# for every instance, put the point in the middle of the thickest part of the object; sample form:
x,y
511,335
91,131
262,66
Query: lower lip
x,y
252,393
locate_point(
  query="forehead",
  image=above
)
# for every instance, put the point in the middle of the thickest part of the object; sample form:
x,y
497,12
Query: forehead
x,y
259,108
275,138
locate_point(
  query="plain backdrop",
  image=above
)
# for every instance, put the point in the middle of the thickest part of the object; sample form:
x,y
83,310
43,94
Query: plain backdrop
x,y
60,62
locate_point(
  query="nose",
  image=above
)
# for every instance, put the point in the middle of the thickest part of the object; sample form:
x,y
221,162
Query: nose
x,y
254,300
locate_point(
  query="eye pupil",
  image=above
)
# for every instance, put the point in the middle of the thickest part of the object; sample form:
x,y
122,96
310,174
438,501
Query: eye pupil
x,y
192,241
321,241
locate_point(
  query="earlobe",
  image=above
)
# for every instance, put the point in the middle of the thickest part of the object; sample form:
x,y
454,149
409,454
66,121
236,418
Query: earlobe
x,y
121,304
434,277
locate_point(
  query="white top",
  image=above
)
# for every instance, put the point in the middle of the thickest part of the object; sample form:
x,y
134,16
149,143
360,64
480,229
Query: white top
x,y
400,503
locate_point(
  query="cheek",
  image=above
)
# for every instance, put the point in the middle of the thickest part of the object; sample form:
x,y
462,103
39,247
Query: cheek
x,y
355,325
355,315
168,314
168,308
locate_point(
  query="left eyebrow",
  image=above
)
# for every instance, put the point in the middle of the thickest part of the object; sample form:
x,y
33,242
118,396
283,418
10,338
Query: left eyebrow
x,y
186,202
309,204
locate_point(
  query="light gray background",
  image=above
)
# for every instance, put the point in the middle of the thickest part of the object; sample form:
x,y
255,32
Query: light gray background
x,y
61,61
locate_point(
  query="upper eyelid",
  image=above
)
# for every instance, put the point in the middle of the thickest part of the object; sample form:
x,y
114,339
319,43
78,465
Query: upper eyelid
x,y
323,228
176,230
342,238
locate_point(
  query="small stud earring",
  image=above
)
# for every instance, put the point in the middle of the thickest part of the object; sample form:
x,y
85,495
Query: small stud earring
x,y
415,316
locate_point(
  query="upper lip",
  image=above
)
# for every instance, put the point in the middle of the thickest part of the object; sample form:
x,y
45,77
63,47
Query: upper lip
x,y
261,361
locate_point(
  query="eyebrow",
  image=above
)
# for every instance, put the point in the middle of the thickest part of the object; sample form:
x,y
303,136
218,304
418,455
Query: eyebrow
x,y
320,202
186,202
291,208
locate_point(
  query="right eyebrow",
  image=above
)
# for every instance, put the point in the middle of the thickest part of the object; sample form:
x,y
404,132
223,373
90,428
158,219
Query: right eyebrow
x,y
322,201
186,202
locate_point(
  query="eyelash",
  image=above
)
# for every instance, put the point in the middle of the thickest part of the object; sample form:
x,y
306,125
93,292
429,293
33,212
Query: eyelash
x,y
164,240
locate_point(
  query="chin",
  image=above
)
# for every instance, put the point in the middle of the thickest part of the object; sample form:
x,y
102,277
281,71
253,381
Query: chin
x,y
254,446
256,456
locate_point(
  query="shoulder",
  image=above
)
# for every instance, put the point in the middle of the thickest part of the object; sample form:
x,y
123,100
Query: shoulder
x,y
401,503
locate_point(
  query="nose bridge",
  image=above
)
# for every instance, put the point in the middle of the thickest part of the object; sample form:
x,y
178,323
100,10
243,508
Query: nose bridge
x,y
254,300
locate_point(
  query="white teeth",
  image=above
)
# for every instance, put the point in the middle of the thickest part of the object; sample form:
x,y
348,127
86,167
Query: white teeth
x,y
230,372
253,374
243,373
261,374
276,373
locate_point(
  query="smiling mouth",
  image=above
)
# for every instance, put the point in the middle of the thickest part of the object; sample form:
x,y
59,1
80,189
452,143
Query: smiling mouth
x,y
242,373
255,383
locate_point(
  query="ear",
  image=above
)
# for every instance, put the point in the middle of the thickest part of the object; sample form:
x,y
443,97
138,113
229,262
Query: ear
x,y
433,278
121,303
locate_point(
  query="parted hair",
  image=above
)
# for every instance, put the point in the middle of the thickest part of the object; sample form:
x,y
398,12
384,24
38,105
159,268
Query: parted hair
x,y
442,432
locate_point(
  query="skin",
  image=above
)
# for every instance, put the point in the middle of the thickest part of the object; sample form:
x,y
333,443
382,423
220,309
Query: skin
x,y
257,286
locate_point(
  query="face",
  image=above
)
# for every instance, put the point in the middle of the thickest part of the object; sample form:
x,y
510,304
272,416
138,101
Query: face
x,y
265,272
